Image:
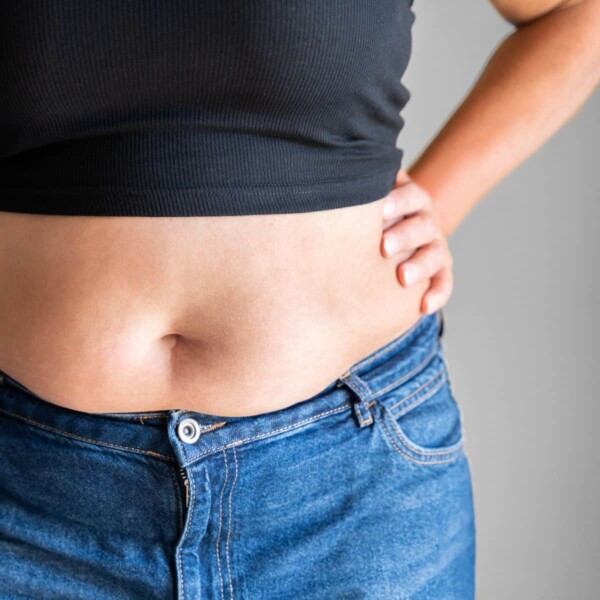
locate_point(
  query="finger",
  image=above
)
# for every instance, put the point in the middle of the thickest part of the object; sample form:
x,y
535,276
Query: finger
x,y
410,233
402,176
424,262
439,291
405,199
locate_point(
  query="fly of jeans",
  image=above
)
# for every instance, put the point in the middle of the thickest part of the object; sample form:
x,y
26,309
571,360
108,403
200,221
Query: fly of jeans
x,y
187,485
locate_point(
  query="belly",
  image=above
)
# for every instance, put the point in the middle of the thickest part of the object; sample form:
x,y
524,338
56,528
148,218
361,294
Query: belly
x,y
231,316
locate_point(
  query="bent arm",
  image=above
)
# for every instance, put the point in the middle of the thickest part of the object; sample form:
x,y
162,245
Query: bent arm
x,y
535,81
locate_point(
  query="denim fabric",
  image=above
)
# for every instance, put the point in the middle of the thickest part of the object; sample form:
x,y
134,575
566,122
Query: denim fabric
x,y
361,491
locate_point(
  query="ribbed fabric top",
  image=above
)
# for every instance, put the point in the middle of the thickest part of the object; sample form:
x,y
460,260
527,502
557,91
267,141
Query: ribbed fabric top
x,y
200,107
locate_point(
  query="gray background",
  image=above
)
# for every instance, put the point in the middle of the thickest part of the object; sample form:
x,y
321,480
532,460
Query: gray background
x,y
522,326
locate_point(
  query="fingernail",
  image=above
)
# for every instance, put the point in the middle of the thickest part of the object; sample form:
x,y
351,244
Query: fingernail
x,y
410,274
388,208
390,244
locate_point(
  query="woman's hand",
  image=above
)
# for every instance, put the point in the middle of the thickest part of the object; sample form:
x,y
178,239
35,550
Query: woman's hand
x,y
416,231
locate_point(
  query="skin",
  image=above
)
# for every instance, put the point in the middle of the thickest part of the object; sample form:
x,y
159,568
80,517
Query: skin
x,y
536,80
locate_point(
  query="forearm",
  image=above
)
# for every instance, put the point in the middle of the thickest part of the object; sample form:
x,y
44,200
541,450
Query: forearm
x,y
536,80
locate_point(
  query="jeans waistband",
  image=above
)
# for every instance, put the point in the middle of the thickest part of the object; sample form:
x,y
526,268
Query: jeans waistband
x,y
157,434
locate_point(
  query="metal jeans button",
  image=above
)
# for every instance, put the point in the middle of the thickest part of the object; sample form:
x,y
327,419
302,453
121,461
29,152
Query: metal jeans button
x,y
188,430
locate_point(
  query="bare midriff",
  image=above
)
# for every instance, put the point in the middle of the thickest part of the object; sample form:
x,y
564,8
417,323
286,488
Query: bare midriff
x,y
231,316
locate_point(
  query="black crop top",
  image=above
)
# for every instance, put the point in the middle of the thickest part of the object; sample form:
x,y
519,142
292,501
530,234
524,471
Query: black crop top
x,y
200,107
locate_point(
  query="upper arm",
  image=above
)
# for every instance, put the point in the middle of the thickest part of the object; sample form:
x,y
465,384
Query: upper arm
x,y
520,12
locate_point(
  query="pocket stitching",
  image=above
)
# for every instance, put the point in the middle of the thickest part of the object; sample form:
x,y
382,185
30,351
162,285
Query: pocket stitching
x,y
411,458
80,438
452,451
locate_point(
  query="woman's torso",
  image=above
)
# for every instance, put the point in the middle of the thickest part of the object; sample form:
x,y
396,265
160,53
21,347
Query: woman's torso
x,y
224,315
139,143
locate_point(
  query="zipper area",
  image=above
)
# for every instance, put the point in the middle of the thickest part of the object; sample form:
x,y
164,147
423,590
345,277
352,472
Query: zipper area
x,y
187,485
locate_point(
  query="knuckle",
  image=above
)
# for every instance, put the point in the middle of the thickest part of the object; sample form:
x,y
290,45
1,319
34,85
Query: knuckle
x,y
425,263
431,254
431,225
439,250
432,258
411,201
439,243
406,233
440,260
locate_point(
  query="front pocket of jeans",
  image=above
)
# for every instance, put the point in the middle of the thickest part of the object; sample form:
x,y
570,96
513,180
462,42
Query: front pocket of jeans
x,y
421,417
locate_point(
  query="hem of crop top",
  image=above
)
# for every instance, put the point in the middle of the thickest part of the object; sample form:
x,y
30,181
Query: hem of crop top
x,y
222,201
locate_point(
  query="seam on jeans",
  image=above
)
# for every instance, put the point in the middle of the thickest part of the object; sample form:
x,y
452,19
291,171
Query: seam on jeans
x,y
84,439
191,499
184,534
142,418
406,376
454,455
344,406
231,524
177,496
217,544
420,399
206,428
133,416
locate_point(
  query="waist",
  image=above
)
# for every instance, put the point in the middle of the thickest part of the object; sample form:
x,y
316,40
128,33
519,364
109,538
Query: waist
x,y
231,316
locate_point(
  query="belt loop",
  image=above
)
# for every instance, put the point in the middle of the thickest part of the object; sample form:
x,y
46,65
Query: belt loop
x,y
362,411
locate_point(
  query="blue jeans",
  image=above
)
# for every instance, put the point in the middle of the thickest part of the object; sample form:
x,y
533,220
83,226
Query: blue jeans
x,y
361,491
